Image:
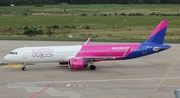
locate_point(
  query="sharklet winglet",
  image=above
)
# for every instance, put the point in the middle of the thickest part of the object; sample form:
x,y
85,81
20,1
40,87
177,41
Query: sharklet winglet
x,y
87,42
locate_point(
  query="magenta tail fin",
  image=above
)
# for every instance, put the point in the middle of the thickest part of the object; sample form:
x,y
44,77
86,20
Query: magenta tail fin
x,y
157,36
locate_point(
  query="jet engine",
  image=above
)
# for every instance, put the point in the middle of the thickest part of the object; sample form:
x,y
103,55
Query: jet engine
x,y
76,64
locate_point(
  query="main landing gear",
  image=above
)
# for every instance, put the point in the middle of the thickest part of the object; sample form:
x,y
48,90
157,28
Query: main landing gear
x,y
24,67
92,67
90,62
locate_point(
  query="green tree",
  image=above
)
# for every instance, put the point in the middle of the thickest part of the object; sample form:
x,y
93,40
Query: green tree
x,y
137,1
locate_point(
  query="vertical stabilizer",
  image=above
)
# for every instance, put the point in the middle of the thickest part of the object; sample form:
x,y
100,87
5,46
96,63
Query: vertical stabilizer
x,y
157,36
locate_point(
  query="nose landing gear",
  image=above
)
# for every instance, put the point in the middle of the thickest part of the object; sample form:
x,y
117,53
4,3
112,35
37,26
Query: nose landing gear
x,y
24,67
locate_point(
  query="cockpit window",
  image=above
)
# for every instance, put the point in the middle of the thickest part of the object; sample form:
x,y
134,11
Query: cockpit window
x,y
13,53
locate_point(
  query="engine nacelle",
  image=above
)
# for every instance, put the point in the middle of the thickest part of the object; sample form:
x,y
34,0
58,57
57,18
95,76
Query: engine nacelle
x,y
76,64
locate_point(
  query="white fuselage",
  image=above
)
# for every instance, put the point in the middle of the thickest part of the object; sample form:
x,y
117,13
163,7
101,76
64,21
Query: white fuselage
x,y
43,54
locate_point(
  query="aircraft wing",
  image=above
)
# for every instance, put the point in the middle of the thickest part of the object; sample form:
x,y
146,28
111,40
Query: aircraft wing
x,y
68,58
94,57
100,57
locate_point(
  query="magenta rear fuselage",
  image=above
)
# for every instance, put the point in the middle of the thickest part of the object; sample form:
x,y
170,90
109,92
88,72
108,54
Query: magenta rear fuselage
x,y
121,51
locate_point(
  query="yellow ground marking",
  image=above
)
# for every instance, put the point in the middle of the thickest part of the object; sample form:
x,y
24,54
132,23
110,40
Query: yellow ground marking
x,y
12,66
164,77
17,65
5,66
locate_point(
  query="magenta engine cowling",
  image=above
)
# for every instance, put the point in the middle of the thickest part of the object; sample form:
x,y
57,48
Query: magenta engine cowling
x,y
76,64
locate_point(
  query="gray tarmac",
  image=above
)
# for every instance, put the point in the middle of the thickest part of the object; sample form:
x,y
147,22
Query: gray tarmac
x,y
135,78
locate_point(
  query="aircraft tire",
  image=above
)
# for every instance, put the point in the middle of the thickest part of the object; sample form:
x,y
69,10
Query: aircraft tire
x,y
92,67
23,68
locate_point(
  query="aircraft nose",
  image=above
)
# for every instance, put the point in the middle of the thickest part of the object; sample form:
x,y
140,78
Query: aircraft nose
x,y
7,58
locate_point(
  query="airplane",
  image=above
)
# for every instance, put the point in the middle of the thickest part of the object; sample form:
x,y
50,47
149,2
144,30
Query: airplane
x,y
81,56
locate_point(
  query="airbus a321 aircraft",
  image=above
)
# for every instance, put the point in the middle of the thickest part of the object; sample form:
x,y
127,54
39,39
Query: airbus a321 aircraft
x,y
78,57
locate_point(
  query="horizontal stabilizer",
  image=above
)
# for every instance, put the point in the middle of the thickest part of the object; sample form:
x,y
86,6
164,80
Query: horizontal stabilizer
x,y
161,48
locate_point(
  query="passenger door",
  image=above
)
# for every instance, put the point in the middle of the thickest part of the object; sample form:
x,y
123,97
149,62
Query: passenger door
x,y
24,51
109,51
144,49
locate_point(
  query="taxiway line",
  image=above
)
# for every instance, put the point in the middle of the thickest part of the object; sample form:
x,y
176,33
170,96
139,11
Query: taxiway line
x,y
41,91
164,77
100,80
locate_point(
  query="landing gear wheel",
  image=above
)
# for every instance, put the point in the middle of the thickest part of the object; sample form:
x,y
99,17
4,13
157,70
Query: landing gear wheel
x,y
24,68
92,67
